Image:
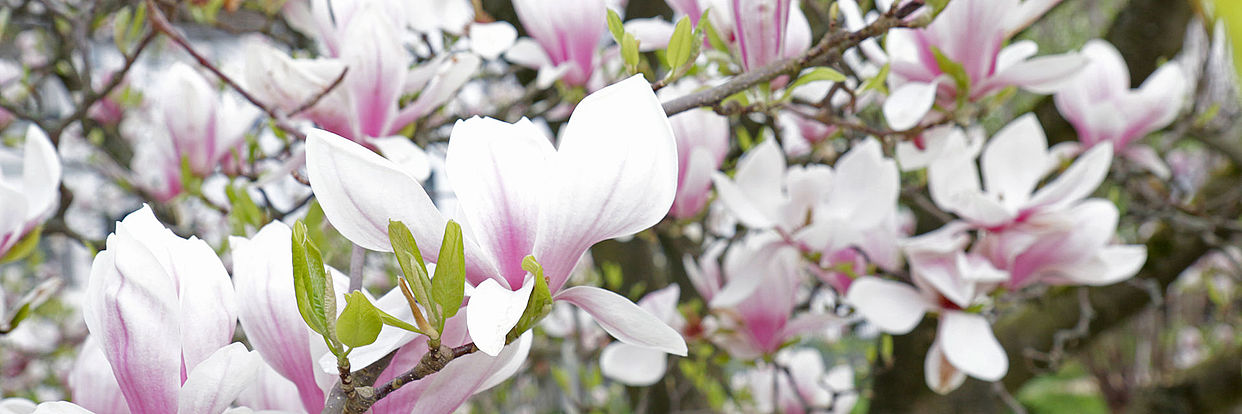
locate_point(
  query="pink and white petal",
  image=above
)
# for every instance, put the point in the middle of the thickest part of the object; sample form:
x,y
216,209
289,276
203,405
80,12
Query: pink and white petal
x,y
894,307
705,273
451,387
1044,74
1015,160
632,365
797,33
41,173
695,186
128,289
1111,265
1016,52
968,344
405,153
1078,181
528,53
492,312
490,40
272,392
499,171
511,365
453,72
1147,158
741,205
208,308
652,33
213,385
940,375
907,105
625,320
950,177
92,383
866,185
60,407
1164,93
262,276
615,173
360,191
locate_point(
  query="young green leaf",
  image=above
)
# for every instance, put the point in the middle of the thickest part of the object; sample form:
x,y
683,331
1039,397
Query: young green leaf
x,y
629,52
680,45
615,26
412,265
814,75
713,36
360,322
448,287
876,83
308,281
954,70
24,247
540,302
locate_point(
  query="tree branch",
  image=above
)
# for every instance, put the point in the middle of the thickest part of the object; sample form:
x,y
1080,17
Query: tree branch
x,y
832,44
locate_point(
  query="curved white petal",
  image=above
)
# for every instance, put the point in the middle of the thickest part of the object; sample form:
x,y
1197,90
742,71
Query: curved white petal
x,y
40,173
940,375
968,344
499,173
449,388
213,385
632,365
894,307
60,407
263,278
489,40
615,173
360,191
1015,160
493,311
907,105
1079,180
625,320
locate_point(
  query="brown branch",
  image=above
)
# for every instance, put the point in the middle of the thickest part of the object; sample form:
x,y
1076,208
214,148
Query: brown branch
x,y
832,44
92,96
160,23
432,362
319,96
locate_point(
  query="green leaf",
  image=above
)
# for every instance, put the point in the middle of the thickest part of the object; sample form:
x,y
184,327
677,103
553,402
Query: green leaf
x,y
243,212
956,71
540,302
448,287
681,45
615,26
412,265
24,247
814,75
713,36
120,26
877,83
629,51
308,281
360,322
190,181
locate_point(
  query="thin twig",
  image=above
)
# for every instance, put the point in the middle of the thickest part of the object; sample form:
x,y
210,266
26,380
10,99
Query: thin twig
x,y
831,44
319,96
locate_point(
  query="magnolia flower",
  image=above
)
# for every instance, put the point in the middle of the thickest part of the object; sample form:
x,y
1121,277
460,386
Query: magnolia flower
x,y
801,385
1014,162
1102,107
163,310
1070,247
567,33
767,30
365,105
764,194
641,366
754,294
29,195
613,175
970,33
202,128
948,282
